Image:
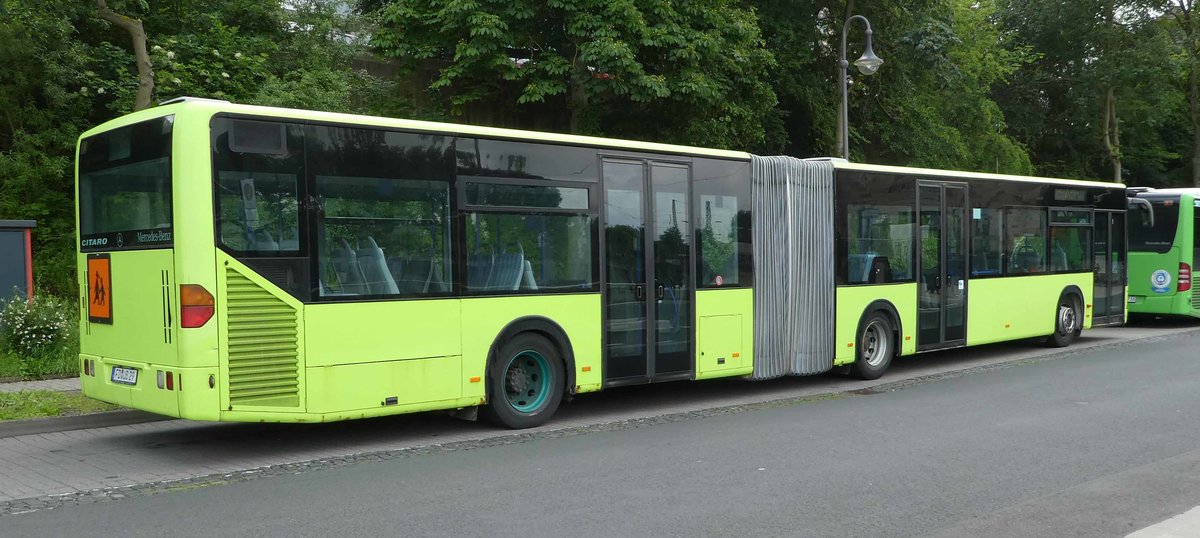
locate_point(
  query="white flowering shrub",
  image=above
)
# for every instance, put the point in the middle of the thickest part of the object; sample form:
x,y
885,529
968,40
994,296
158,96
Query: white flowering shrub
x,y
34,330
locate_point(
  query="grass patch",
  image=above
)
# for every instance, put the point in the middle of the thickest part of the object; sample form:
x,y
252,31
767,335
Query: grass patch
x,y
57,363
28,404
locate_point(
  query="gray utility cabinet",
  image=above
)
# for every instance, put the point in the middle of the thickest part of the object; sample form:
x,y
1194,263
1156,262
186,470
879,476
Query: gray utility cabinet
x,y
16,261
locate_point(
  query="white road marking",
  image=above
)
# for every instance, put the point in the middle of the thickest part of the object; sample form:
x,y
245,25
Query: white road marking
x,y
1185,525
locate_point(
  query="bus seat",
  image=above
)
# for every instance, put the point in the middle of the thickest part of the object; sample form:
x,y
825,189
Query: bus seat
x,y
373,264
1058,260
527,280
414,279
345,266
507,271
479,270
860,266
881,270
436,283
264,241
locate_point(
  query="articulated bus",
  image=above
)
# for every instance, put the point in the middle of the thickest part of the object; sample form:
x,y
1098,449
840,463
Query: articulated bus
x,y
244,263
1163,248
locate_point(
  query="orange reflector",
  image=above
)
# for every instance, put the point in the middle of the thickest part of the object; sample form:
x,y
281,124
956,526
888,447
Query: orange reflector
x,y
737,354
850,345
1006,325
474,379
586,368
907,338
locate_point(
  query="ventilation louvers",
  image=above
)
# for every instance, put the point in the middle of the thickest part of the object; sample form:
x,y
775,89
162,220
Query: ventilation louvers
x,y
263,346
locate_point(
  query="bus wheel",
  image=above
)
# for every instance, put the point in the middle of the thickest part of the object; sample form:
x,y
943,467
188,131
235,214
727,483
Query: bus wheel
x,y
875,346
525,382
1068,322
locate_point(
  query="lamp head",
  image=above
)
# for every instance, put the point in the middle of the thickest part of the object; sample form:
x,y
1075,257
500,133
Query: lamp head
x,y
868,63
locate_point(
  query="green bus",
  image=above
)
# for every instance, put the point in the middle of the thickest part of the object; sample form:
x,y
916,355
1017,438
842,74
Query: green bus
x,y
1163,249
244,263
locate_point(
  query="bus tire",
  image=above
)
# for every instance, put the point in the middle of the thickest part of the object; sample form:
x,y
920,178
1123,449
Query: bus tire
x,y
876,346
1068,321
525,382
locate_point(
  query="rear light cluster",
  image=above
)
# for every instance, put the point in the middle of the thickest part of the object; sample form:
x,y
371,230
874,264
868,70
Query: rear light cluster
x,y
1185,277
89,367
166,380
196,306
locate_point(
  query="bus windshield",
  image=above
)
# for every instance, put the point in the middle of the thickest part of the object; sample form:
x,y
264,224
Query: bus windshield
x,y
125,188
1155,233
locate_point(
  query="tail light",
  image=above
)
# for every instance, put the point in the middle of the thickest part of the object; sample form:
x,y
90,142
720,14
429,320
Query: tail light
x,y
1185,277
196,306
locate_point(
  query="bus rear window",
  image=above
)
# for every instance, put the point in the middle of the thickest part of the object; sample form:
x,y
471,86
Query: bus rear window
x,y
1153,233
125,188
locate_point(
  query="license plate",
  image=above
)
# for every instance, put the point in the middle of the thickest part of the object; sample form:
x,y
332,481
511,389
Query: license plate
x,y
124,376
1132,299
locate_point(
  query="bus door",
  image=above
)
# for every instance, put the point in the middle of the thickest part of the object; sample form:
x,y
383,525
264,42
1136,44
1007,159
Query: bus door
x,y
648,280
1108,252
942,262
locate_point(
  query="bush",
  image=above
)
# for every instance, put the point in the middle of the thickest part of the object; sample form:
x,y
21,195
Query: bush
x,y
39,335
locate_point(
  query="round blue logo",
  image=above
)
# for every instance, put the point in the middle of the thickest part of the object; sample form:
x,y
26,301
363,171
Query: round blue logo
x,y
1160,281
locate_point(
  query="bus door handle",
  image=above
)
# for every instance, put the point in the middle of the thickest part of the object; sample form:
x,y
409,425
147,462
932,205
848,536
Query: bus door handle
x,y
638,292
660,291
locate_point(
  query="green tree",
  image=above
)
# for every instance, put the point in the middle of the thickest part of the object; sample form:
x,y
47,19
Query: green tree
x,y
1094,100
693,72
928,106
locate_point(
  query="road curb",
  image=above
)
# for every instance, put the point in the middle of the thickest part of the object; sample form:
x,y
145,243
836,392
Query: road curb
x,y
105,419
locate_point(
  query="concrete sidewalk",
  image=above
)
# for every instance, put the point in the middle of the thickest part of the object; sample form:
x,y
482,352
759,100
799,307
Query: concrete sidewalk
x,y
62,385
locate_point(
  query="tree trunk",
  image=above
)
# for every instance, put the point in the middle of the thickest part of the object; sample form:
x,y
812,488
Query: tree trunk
x,y
1194,108
142,58
1112,133
578,104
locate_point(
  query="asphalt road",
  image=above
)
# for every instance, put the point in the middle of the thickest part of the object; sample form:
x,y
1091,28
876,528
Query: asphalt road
x,y
1097,443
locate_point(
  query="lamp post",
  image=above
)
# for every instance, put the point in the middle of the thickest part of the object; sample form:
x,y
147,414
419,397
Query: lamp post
x,y
867,64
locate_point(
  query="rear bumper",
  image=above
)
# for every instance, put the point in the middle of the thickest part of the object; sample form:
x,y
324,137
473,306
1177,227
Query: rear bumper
x,y
1176,303
191,397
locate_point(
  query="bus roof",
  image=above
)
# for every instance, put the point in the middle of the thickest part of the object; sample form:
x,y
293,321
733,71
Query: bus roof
x,y
845,165
1175,192
217,106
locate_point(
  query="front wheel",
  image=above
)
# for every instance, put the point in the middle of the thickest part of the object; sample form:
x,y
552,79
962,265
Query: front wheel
x,y
1068,323
525,383
876,346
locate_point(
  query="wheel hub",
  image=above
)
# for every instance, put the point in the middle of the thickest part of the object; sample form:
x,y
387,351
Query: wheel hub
x,y
517,381
875,344
1066,319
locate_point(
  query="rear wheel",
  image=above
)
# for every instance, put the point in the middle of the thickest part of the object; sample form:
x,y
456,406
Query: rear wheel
x,y
876,346
525,382
1068,322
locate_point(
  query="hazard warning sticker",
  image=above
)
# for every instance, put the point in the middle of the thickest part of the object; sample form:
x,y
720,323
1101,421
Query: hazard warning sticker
x,y
99,288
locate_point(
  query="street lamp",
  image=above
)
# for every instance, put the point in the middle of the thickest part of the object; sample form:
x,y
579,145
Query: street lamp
x,y
867,64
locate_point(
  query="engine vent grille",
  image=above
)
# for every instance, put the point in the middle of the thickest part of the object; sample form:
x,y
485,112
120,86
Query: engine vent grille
x,y
1195,298
263,345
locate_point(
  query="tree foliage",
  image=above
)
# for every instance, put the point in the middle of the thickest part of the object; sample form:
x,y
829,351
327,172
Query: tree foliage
x,y
693,72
